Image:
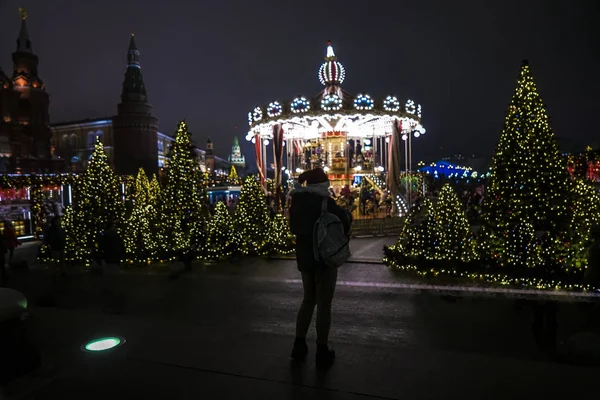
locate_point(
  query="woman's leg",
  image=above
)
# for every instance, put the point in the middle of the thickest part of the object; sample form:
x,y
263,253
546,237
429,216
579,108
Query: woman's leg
x,y
307,307
326,281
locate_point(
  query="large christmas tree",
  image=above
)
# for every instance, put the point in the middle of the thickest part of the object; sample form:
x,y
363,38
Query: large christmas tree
x,y
220,239
452,233
140,232
96,202
182,208
251,218
529,183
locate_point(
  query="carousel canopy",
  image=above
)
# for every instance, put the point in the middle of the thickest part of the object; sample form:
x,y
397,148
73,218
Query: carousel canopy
x,y
334,109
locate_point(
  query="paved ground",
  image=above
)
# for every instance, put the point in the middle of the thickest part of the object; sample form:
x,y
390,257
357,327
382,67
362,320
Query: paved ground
x,y
224,331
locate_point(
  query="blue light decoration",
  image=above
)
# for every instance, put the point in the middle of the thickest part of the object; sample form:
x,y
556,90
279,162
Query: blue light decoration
x,y
391,104
444,169
274,109
331,102
363,102
300,105
257,114
249,118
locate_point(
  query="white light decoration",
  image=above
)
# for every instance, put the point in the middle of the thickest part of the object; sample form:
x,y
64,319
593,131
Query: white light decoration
x,y
257,114
253,140
332,72
274,109
266,142
363,102
380,169
419,110
300,105
299,170
410,107
358,168
367,142
331,102
249,118
391,104
404,137
417,134
326,169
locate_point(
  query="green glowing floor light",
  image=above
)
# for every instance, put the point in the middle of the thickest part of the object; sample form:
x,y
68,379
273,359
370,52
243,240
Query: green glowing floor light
x,y
103,344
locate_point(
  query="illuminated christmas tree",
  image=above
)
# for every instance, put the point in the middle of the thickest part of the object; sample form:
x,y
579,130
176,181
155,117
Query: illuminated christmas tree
x,y
96,201
280,239
182,208
529,183
585,215
233,178
251,218
140,232
416,237
220,239
451,231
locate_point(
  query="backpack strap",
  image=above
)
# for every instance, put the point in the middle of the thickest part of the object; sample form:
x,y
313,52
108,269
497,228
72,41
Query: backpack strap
x,y
324,206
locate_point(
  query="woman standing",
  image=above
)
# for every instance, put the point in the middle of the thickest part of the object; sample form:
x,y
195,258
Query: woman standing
x,y
318,280
10,239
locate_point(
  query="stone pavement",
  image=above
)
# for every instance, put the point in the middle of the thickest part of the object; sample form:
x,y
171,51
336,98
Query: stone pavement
x,y
225,331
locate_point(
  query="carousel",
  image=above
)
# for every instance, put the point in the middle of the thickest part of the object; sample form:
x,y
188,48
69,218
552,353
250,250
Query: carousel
x,y
352,137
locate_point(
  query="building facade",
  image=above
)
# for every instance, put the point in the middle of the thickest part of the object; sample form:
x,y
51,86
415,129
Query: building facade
x,y
25,135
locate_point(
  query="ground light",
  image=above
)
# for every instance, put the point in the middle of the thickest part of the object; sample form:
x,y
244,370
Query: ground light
x,y
103,344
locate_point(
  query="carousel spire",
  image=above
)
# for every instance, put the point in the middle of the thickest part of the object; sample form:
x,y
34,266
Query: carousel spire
x,y
330,52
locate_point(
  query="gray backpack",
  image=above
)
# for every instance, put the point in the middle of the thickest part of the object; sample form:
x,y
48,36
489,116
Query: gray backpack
x,y
331,245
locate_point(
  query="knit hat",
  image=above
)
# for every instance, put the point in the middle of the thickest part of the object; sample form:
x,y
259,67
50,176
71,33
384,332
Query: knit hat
x,y
313,176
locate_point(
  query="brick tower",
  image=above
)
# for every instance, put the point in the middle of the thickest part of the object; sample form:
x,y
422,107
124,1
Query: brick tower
x,y
135,126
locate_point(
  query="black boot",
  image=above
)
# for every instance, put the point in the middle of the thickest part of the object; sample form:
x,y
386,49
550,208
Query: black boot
x,y
300,350
325,355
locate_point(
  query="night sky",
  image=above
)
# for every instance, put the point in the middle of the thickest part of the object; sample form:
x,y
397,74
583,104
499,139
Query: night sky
x,y
213,61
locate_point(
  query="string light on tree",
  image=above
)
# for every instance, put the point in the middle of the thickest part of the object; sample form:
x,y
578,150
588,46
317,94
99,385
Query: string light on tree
x,y
96,201
220,240
280,239
251,218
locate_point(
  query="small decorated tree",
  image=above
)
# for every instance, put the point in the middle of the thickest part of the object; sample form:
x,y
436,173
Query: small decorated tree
x,y
96,202
251,218
140,232
280,239
585,215
220,239
453,238
416,238
233,178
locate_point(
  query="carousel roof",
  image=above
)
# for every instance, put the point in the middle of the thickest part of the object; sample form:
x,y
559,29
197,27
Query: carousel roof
x,y
334,109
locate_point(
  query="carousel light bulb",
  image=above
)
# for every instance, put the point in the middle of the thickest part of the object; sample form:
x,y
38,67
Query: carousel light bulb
x,y
417,133
299,170
358,168
253,140
326,169
380,169
266,142
404,137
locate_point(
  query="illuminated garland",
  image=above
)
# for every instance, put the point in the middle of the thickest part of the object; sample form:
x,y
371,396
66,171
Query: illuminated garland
x,y
274,109
363,102
391,104
300,105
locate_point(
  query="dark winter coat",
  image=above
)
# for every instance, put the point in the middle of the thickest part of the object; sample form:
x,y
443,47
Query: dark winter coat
x,y
304,212
55,238
112,247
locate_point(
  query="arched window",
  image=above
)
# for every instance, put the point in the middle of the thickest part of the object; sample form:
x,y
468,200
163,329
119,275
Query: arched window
x,y
64,140
93,136
73,141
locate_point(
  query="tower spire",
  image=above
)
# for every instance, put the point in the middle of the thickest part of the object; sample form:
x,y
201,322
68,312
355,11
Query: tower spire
x,y
23,42
134,89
